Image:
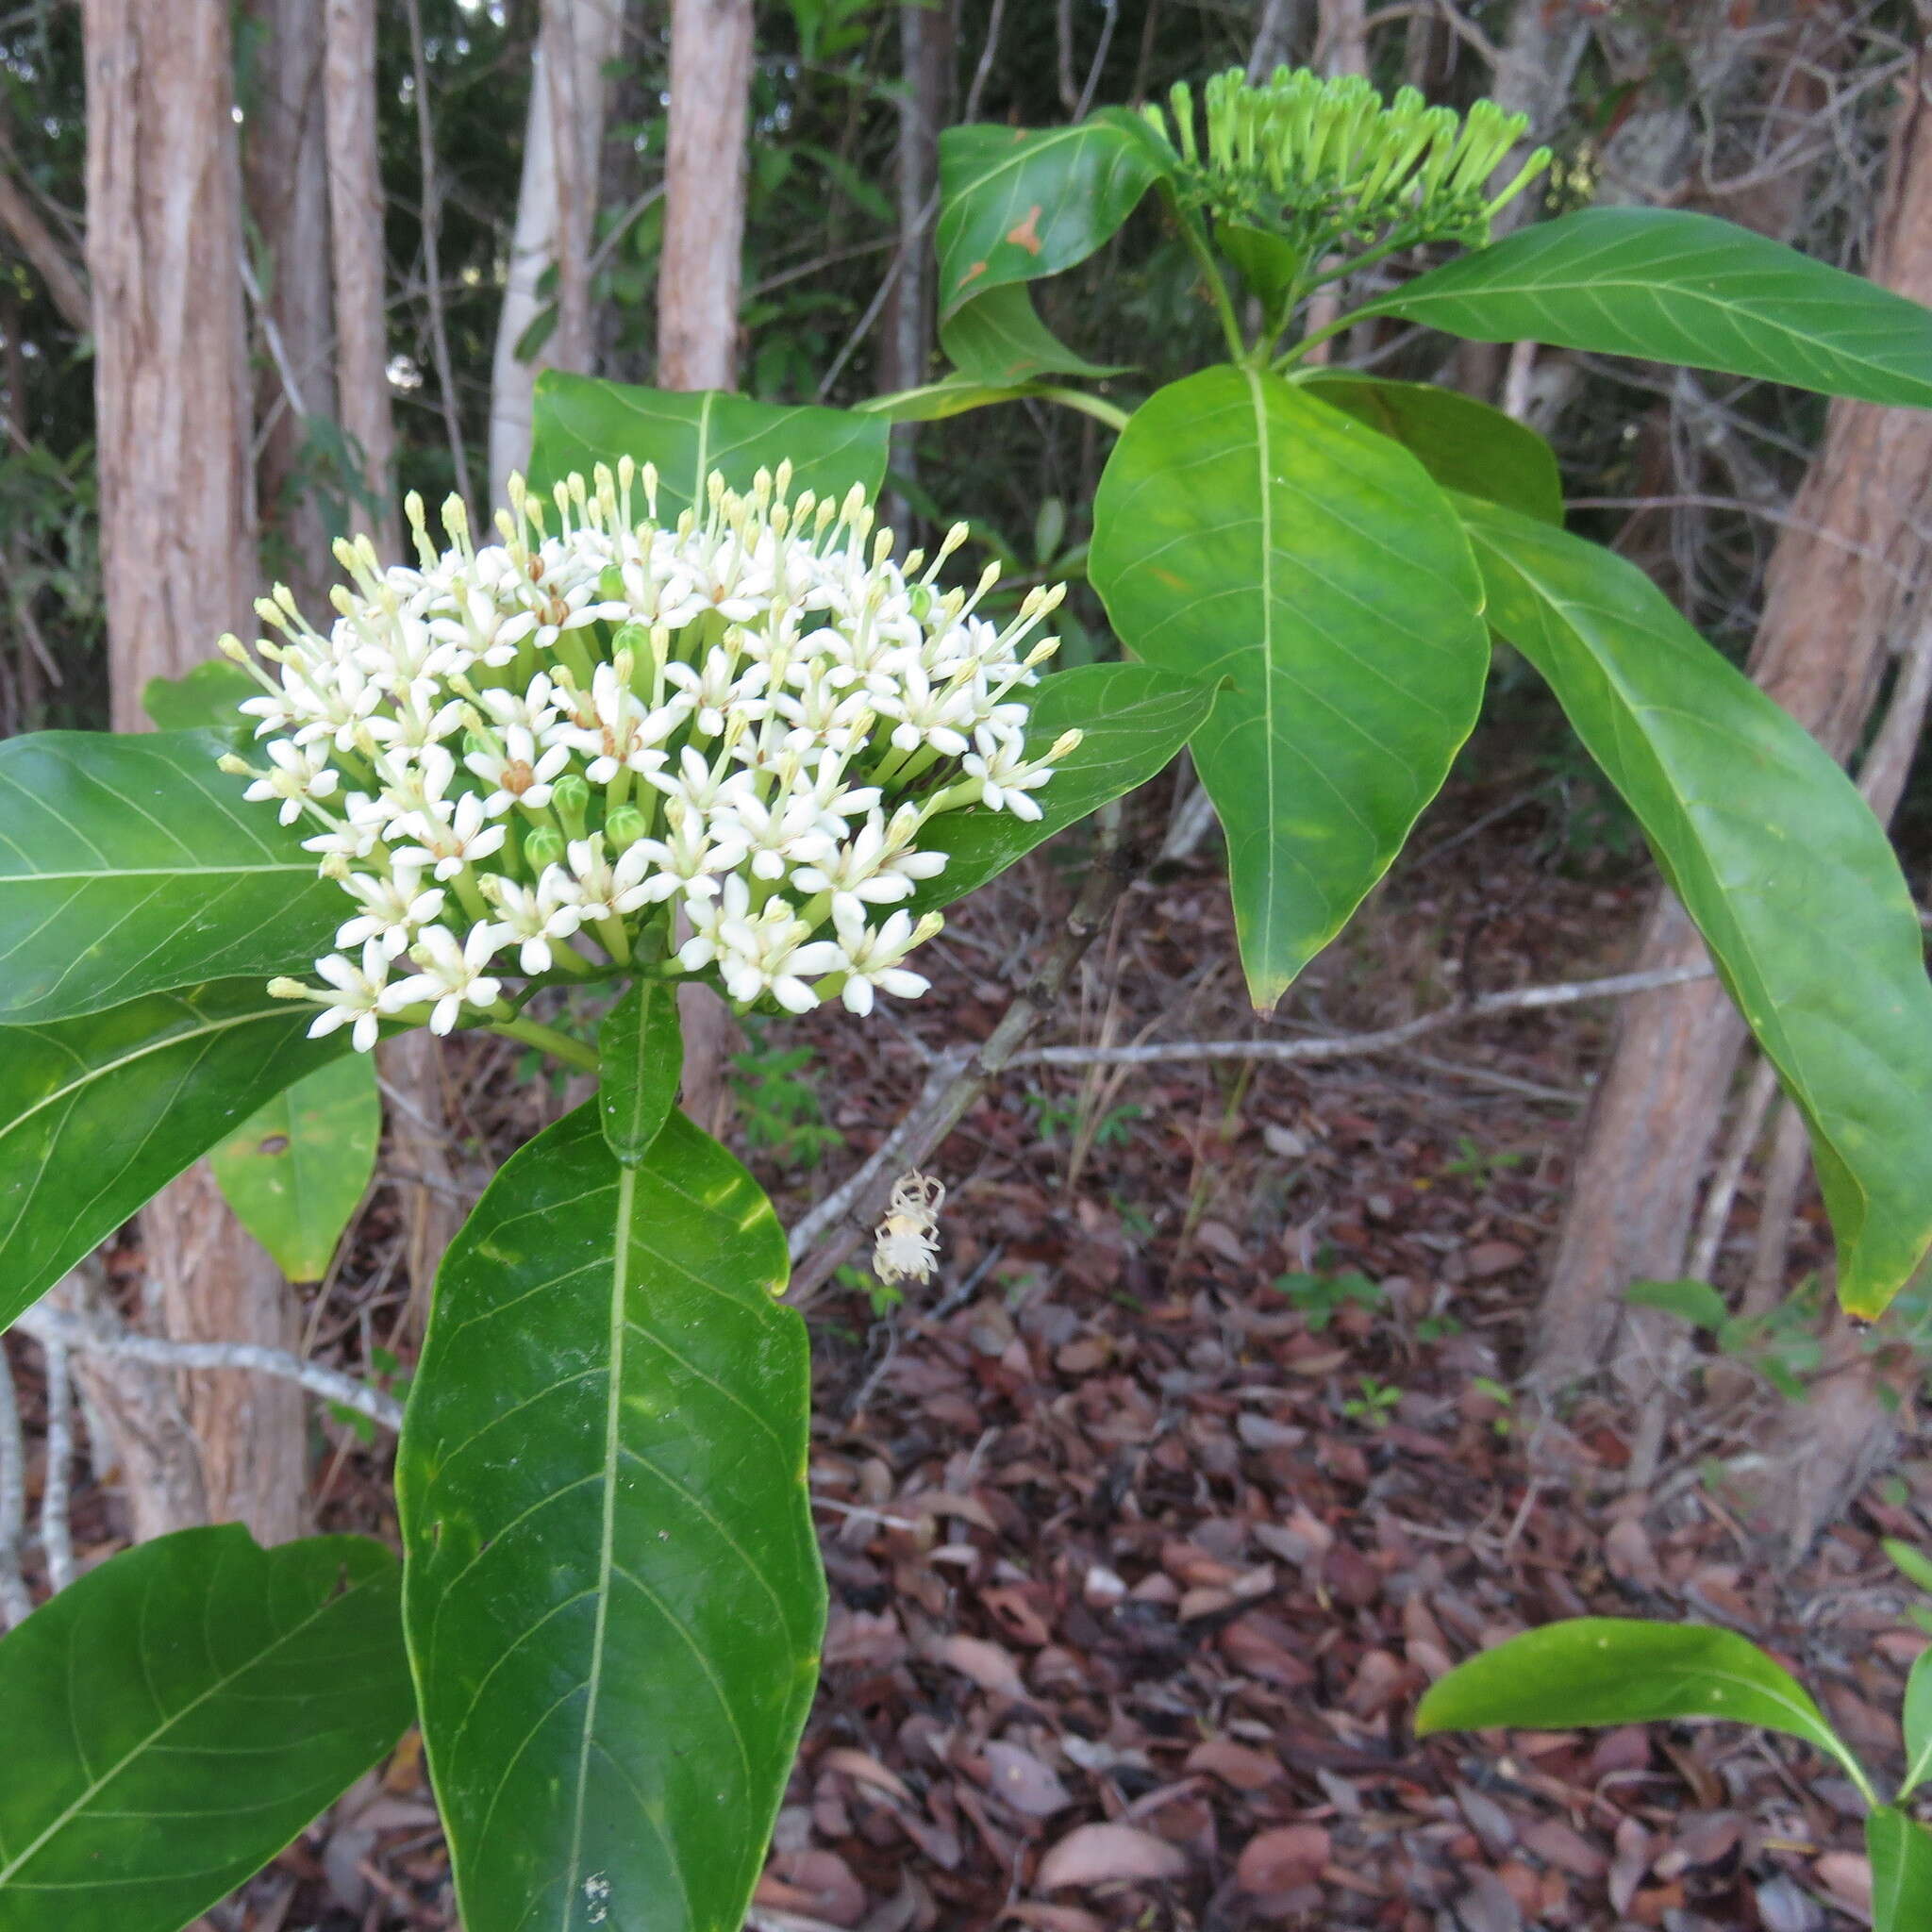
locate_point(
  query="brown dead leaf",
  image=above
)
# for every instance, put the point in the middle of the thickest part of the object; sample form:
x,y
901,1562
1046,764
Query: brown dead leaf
x,y
1234,1764
1278,1859
989,1665
1491,1257
1097,1854
863,1766
1019,1778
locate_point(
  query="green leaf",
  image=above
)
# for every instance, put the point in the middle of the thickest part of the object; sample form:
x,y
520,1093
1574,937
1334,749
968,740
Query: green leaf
x,y
178,1715
1790,878
1695,1301
296,1169
1672,287
612,1590
933,401
1244,530
640,1063
1017,203
580,421
97,1114
1462,443
1134,719
1622,1671
1913,1565
999,340
132,865
203,698
1268,265
1901,1853
1917,1720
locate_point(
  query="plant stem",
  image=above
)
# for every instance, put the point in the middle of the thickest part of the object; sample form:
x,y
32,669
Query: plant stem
x,y
559,1045
1211,273
1308,342
1114,417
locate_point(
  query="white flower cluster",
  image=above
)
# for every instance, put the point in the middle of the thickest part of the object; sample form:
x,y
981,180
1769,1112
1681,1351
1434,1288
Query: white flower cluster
x,y
528,756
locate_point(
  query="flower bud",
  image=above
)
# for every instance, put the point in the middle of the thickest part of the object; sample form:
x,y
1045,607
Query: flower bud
x,y
543,848
625,827
236,768
289,989
571,796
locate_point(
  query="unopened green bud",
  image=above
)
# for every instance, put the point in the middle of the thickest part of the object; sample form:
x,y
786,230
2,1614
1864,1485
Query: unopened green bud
x,y
543,848
625,827
571,796
289,989
236,768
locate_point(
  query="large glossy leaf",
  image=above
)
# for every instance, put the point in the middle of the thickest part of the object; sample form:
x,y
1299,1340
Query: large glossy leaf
x,y
1790,878
1245,530
132,865
1134,719
1462,443
933,401
640,1063
1622,1670
1672,287
1018,203
295,1171
1916,1720
613,1596
580,421
1901,1852
97,1114
174,1717
203,698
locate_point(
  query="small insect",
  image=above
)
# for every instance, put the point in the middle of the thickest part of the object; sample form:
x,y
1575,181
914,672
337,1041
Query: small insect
x,y
907,1237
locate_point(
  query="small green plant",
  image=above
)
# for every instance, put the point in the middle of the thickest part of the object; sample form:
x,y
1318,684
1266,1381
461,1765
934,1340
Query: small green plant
x,y
1322,1297
1374,1404
1601,1671
883,1295
1503,1397
778,1108
1480,1164
1054,1117
1781,1344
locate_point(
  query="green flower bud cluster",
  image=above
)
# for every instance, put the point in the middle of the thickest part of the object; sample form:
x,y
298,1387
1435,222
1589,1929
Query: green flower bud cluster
x,y
1329,166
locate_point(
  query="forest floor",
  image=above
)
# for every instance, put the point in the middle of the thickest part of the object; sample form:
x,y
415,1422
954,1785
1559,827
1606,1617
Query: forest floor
x,y
1148,1519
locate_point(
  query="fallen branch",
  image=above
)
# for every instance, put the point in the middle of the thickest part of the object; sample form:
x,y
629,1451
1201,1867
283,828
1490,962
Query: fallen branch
x,y
56,1533
14,1601
54,1331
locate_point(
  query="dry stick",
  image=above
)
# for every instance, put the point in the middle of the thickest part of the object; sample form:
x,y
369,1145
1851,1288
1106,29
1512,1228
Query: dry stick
x,y
432,271
15,1603
1723,1191
56,1537
59,1333
946,1100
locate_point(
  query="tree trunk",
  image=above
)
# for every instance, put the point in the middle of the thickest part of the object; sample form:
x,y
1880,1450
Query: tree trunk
x,y
356,240
557,207
697,340
925,59
1837,601
704,193
285,176
178,565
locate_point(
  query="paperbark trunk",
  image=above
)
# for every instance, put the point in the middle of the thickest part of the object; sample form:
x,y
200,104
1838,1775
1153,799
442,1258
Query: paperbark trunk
x,y
1838,601
697,339
178,565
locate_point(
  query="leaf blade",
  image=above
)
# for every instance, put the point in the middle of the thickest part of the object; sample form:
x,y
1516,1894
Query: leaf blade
x,y
1901,1853
132,865
640,1063
83,1102
290,1659
1816,939
1674,287
580,421
607,1372
1239,534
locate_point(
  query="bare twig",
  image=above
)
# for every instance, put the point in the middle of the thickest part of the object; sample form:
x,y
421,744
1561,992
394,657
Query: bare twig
x,y
1112,20
61,1332
57,1536
1723,1190
15,1603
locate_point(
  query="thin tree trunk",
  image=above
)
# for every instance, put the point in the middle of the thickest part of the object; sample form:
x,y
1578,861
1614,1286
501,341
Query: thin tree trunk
x,y
412,1066
556,208
697,340
356,240
22,224
285,176
925,59
704,193
177,555
1837,602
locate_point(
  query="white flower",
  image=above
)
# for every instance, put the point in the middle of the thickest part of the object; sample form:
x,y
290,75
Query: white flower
x,y
394,908
297,774
518,772
360,993
452,974
907,1240
614,729
873,956
1006,775
690,857
451,839
786,832
607,890
552,911
939,718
